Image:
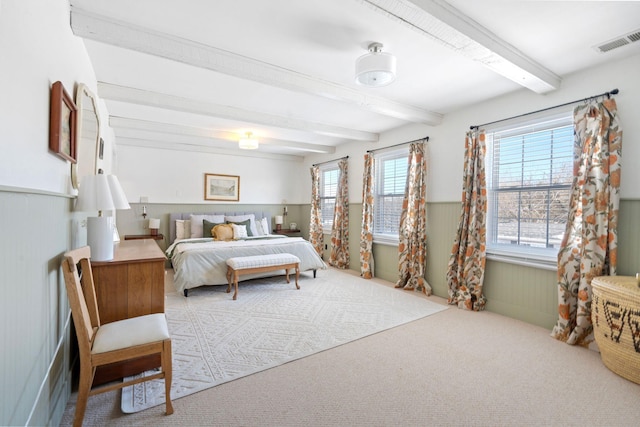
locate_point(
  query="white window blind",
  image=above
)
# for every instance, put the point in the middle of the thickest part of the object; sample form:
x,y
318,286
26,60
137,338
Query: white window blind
x,y
390,181
328,190
530,171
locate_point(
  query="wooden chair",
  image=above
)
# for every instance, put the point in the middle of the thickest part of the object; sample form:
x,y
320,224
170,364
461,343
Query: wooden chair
x,y
112,342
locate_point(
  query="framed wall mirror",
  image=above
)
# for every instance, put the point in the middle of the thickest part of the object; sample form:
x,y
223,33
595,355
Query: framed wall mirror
x,y
87,136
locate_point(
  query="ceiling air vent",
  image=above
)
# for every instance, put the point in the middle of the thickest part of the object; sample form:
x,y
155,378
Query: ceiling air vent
x,y
624,40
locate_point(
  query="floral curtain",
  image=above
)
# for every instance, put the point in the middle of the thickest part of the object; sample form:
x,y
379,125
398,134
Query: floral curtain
x,y
412,247
316,237
366,234
339,256
590,242
465,272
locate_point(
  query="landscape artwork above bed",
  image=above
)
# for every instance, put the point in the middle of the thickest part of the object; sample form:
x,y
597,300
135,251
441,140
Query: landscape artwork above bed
x,y
199,260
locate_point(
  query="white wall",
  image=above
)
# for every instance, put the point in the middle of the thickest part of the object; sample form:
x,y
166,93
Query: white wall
x,y
171,176
167,176
445,149
38,48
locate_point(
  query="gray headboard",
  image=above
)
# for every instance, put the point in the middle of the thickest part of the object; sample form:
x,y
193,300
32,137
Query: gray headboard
x,y
187,215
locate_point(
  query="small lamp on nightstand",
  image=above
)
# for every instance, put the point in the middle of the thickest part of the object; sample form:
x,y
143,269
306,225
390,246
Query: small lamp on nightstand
x,y
154,225
279,222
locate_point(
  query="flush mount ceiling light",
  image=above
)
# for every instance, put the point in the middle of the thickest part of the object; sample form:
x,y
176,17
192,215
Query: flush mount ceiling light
x,y
375,68
248,143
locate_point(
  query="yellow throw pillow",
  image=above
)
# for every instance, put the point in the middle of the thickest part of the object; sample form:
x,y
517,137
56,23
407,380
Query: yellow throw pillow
x,y
222,232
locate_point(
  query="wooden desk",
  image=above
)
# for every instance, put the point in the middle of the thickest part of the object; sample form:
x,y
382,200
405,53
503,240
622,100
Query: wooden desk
x,y
132,284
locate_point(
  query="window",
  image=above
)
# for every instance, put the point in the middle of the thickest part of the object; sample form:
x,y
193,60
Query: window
x,y
529,175
328,189
390,181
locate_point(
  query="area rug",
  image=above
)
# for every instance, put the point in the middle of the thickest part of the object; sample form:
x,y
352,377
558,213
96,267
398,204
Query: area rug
x,y
216,339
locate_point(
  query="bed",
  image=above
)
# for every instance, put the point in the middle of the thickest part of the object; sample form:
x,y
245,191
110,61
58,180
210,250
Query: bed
x,y
200,261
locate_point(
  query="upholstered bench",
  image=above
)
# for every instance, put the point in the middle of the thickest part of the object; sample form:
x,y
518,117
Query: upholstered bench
x,y
238,266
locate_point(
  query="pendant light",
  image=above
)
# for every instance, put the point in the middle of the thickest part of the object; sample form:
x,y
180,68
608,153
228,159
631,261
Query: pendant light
x,y
248,142
376,68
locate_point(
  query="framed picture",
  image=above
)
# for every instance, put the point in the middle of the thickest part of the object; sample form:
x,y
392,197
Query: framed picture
x,y
221,187
62,125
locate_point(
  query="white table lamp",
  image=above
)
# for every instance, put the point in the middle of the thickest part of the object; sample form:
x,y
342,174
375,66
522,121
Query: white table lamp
x,y
100,193
279,221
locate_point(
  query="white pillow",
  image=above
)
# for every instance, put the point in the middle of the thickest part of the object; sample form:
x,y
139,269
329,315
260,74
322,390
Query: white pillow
x,y
183,229
239,231
196,223
240,218
259,228
264,225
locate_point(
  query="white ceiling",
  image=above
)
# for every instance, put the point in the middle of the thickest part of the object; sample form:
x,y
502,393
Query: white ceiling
x,y
197,74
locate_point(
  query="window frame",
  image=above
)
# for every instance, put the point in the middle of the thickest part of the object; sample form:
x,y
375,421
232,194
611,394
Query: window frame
x,y
329,167
379,157
543,258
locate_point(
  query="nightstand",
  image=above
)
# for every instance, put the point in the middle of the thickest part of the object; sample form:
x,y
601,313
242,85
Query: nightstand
x,y
287,231
143,236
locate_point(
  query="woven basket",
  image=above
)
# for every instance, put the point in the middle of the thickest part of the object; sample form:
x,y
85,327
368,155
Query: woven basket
x,y
615,313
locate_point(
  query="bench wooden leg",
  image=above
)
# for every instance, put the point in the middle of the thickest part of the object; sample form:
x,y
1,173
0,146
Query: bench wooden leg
x,y
229,271
235,283
297,275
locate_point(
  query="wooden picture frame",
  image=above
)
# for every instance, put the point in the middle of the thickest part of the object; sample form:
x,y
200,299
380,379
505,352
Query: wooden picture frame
x,y
221,187
62,124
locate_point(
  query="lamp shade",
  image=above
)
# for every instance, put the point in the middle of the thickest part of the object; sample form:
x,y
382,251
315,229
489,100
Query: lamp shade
x,y
375,68
99,193
154,225
279,220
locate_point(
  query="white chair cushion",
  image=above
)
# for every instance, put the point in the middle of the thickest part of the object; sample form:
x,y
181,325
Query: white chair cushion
x,y
238,263
130,332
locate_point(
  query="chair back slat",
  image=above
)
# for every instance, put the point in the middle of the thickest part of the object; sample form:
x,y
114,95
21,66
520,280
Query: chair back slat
x,y
89,289
79,310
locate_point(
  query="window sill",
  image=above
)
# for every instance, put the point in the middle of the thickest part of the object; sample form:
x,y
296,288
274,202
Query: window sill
x,y
544,261
381,239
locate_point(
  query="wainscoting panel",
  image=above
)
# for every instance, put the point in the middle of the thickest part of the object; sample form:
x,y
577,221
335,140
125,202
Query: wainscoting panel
x,y
442,225
524,293
34,310
629,238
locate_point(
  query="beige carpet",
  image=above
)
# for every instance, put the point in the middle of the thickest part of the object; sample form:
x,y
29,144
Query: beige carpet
x,y
216,339
456,368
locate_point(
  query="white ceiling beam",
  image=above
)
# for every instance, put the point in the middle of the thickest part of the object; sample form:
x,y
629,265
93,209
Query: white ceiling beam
x,y
168,132
113,92
105,30
178,146
442,22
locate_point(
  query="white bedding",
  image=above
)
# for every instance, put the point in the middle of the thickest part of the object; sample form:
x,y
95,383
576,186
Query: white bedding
x,y
198,262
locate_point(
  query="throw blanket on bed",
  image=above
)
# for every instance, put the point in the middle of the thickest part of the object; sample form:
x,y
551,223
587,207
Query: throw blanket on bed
x,y
198,262
171,249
